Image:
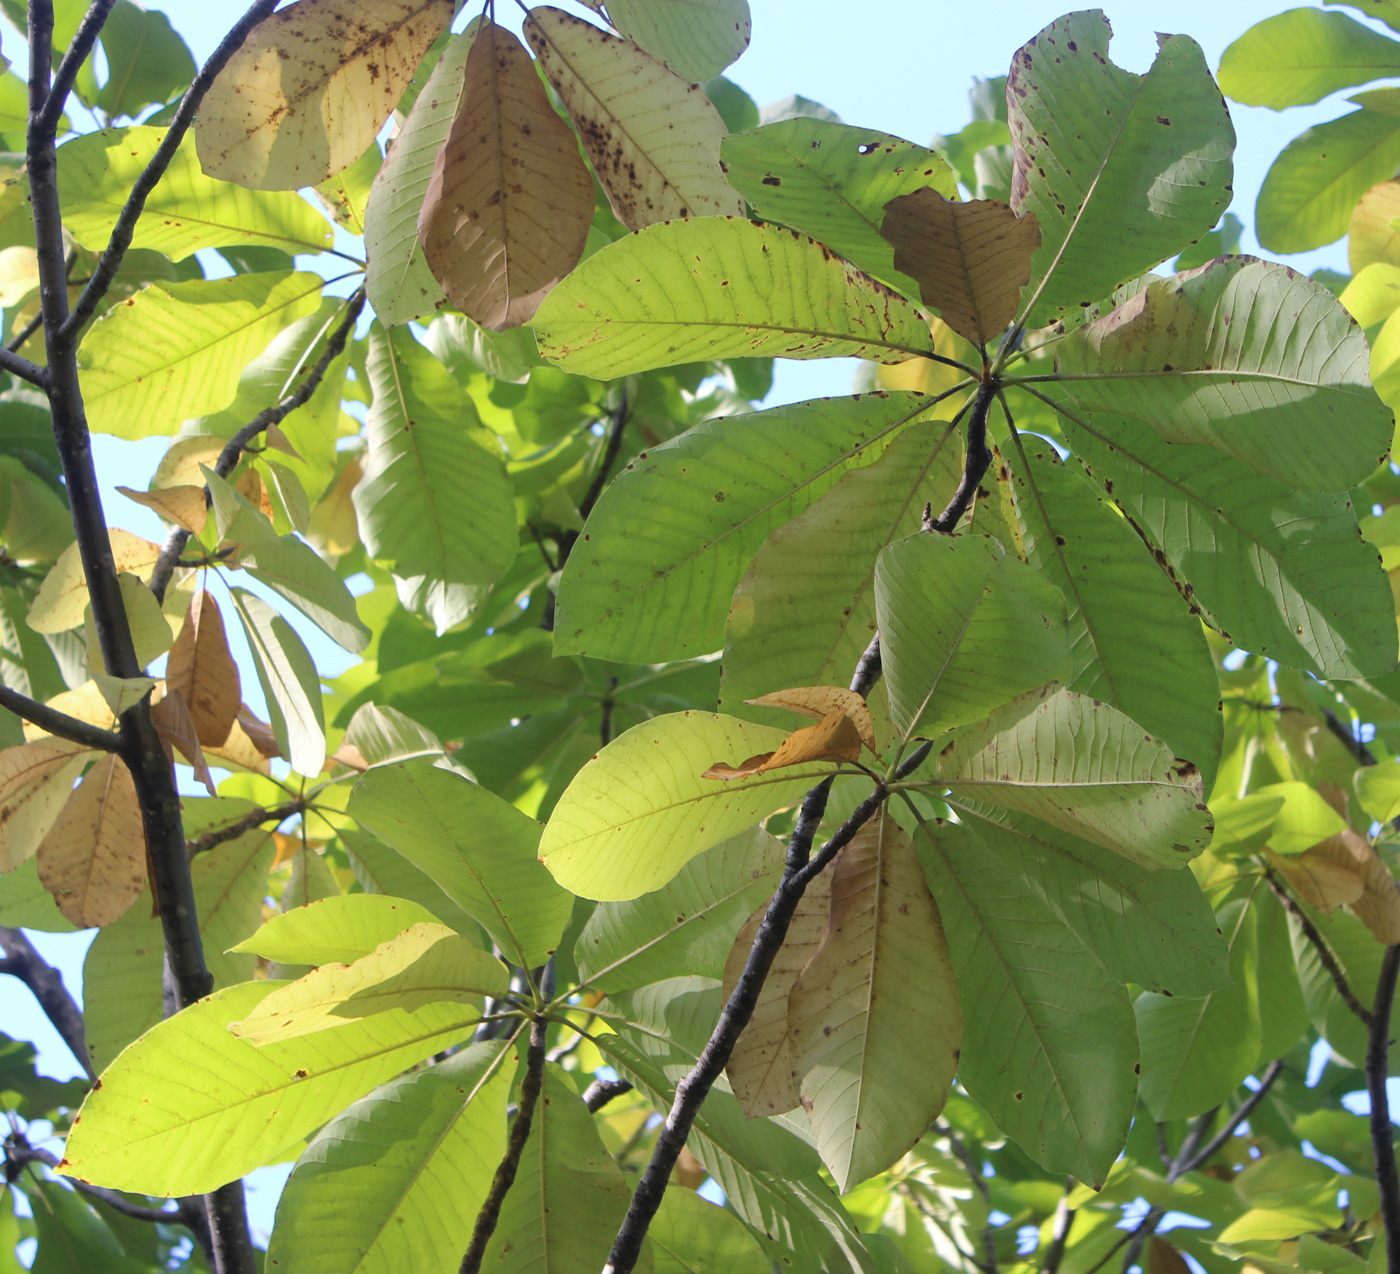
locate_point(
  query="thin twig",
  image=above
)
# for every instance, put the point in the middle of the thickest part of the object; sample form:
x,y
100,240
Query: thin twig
x,y
79,47
22,961
60,723
601,1091
1382,1132
232,831
921,1204
490,1212
1242,1112
25,333
979,1182
233,450
977,459
1318,943
1059,1232
19,1153
1343,732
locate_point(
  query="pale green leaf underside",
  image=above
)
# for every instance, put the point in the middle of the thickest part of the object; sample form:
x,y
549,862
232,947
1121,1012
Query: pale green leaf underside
x,y
720,287
697,40
290,683
292,568
708,500
335,930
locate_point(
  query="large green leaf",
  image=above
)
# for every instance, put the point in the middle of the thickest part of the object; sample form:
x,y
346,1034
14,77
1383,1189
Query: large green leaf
x,y
435,500
340,929
1121,171
1048,1043
476,847
792,626
189,1106
292,568
639,810
964,626
289,680
147,61
696,42
707,499
176,350
569,1197
397,1180
690,1233
1085,768
1309,193
1245,356
1299,57
1282,574
186,211
1133,642
720,287
686,926
832,181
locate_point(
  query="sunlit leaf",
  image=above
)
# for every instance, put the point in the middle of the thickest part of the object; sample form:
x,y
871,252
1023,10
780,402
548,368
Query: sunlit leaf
x,y
63,596
818,701
834,738
696,42
36,780
1299,57
1371,233
202,668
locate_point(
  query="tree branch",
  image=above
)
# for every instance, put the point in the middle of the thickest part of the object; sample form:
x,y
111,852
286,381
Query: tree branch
x,y
232,831
233,450
979,1183
1059,1233
1382,1133
1344,735
19,366
1242,1112
601,1091
46,983
79,47
59,723
110,261
977,459
1318,944
490,1212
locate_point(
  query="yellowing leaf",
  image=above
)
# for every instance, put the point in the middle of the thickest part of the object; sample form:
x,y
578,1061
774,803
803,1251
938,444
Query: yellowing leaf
x,y
835,737
202,669
510,200
93,860
426,964
970,260
36,780
150,630
1372,235
177,731
85,703
121,693
19,274
1318,880
310,88
63,595
818,701
654,139
1378,908
182,505
184,460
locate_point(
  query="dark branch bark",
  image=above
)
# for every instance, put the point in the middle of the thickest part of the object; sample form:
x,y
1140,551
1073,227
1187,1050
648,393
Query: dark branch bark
x,y
1382,1133
601,1091
490,1212
21,367
233,831
1343,733
77,53
1059,1233
23,962
1243,1111
233,450
1318,943
978,458
20,1153
59,723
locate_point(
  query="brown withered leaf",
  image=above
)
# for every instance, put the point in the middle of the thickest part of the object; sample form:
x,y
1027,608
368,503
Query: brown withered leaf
x,y
1318,880
1162,1258
834,738
970,260
36,780
510,201
760,1067
176,729
1378,908
251,487
201,668
258,732
183,505
275,437
817,701
93,861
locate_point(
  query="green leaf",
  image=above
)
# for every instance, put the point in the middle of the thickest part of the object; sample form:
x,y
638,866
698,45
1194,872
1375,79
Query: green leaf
x,y
400,1176
792,626
639,810
1378,790
696,42
227,1106
708,499
334,930
1299,57
964,626
832,181
476,847
1310,190
1133,642
292,568
1099,149
72,1236
688,925
435,500
186,211
1085,768
1291,817
690,1235
384,734
1359,955
1196,1052
385,873
1280,573
289,680
1283,386
147,62
720,288
1152,928
1048,1045
176,350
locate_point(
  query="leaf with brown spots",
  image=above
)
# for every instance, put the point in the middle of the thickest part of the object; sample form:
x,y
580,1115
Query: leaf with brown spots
x,y
654,139
818,701
202,669
310,88
93,860
510,200
970,260
182,505
834,738
36,780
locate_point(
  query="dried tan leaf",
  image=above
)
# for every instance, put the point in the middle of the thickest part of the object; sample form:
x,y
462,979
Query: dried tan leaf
x,y
349,755
1318,880
818,701
180,466
183,505
653,138
970,260
760,1067
1162,1258
1378,908
310,88
203,670
36,780
277,439
177,730
259,732
63,596
250,487
93,861
835,738
510,201
334,528
1372,236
